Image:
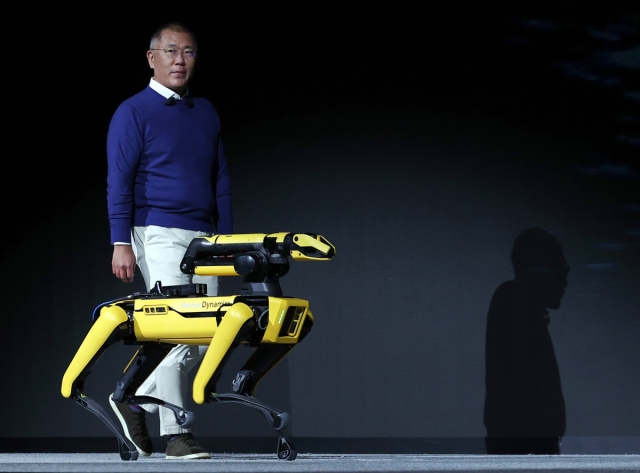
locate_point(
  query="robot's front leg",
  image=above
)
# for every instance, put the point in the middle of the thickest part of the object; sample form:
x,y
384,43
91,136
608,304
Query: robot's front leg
x,y
279,419
234,328
263,360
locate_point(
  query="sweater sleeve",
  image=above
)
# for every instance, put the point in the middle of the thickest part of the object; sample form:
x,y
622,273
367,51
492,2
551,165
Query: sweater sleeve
x,y
223,217
124,148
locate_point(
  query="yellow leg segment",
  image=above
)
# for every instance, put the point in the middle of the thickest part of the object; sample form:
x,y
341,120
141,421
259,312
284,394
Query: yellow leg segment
x,y
99,334
221,342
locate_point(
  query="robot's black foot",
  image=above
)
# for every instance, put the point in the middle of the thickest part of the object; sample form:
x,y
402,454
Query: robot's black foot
x,y
285,449
278,419
126,453
127,449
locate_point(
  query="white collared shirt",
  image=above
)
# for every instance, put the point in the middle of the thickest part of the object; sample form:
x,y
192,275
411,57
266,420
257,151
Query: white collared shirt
x,y
165,91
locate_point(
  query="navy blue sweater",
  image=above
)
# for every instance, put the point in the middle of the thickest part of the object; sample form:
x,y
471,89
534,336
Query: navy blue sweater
x,y
166,167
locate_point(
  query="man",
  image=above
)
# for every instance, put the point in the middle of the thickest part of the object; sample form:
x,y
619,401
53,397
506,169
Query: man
x,y
524,409
167,183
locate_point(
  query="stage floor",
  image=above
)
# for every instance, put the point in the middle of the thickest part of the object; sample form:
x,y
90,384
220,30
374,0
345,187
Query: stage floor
x,y
325,463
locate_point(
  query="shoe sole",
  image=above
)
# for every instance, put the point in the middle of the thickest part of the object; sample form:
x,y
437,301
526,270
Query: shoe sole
x,y
193,456
124,427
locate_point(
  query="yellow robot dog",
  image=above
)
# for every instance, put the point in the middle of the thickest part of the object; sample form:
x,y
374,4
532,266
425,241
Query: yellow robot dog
x,y
260,316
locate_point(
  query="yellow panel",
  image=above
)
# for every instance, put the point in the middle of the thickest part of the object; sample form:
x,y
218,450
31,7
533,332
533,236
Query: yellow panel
x,y
150,325
110,318
278,308
231,324
213,270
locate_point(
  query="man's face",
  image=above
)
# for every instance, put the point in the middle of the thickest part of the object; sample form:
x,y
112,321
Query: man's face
x,y
176,72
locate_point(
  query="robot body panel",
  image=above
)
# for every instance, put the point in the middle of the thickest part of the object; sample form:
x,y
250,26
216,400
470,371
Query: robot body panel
x,y
286,316
188,319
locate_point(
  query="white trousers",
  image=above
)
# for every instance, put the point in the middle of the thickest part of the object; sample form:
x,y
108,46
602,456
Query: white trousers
x,y
159,252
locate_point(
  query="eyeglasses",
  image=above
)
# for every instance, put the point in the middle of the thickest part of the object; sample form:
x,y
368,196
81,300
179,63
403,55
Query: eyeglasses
x,y
173,53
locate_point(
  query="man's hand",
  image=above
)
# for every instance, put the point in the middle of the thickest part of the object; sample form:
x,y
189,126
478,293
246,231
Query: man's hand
x,y
123,263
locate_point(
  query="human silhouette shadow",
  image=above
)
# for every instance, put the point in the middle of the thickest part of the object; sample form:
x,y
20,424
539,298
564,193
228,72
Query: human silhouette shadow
x,y
524,410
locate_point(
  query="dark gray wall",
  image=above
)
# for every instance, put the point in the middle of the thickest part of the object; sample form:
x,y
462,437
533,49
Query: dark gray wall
x,y
420,160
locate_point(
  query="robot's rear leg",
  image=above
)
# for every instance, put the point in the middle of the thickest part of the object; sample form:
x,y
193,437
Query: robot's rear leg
x,y
144,361
147,359
183,417
127,449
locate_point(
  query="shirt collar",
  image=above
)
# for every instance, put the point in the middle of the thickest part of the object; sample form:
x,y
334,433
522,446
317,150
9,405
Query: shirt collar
x,y
165,91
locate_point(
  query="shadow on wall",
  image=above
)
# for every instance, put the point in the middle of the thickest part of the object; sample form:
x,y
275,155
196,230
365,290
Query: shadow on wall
x,y
524,409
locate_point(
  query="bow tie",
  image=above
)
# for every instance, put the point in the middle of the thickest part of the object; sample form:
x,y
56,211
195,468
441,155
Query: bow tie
x,y
171,101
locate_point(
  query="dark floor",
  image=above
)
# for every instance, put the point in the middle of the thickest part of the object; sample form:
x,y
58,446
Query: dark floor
x,y
334,463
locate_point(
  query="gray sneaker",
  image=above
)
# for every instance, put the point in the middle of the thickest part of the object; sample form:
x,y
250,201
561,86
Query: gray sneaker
x,y
134,426
185,447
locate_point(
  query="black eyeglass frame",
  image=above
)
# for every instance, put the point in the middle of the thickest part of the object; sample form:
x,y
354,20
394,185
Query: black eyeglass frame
x,y
186,54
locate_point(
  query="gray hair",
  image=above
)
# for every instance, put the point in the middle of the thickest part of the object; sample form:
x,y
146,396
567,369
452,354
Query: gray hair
x,y
175,26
